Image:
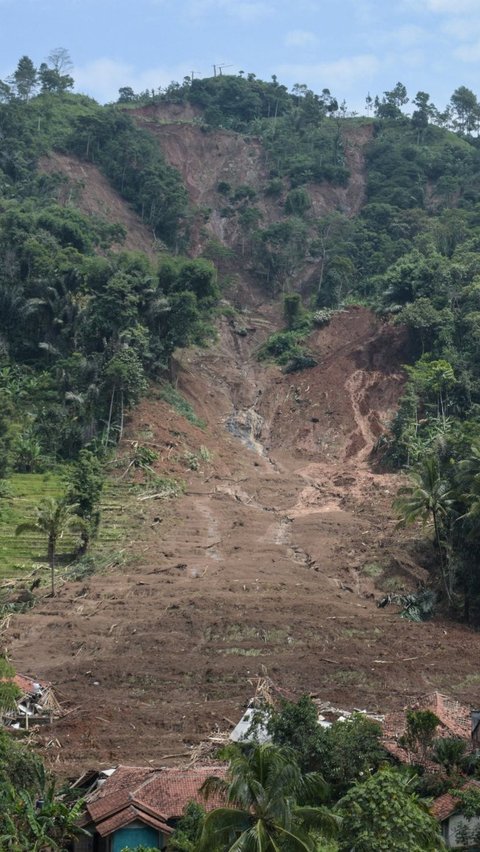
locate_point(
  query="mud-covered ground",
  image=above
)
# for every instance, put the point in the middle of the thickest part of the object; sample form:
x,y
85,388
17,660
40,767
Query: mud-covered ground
x,y
271,562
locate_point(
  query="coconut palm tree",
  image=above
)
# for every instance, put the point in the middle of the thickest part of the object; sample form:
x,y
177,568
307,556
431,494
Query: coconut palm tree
x,y
467,479
54,518
262,813
429,498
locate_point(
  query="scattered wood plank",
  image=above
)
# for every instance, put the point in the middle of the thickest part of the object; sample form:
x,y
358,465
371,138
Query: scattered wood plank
x,y
171,756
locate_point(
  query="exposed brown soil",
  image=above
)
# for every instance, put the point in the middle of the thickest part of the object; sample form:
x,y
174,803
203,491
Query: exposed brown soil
x,y
87,188
265,564
204,159
274,558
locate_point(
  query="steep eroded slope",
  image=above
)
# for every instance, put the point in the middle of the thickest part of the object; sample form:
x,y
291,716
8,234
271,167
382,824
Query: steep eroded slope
x,y
263,564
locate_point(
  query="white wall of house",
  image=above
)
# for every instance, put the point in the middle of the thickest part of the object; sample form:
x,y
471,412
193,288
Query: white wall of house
x,y
451,826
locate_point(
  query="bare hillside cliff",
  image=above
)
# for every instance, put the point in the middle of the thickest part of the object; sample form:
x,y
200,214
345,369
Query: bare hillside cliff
x,y
274,557
207,158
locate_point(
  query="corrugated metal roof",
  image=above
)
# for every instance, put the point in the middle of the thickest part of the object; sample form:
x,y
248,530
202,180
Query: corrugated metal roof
x,y
244,732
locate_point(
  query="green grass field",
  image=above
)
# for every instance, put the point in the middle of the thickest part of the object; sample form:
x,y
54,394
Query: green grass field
x,y
19,554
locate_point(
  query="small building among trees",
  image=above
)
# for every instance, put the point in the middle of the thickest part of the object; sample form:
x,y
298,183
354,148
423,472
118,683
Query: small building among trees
x,y
458,815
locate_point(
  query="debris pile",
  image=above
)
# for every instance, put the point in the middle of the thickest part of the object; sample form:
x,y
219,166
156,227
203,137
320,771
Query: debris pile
x,y
328,714
37,702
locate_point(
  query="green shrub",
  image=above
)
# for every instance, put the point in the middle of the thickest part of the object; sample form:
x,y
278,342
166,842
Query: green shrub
x,y
283,348
174,398
322,317
280,346
224,188
297,202
300,362
275,187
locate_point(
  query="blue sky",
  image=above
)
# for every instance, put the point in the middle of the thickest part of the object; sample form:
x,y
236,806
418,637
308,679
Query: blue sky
x,y
351,47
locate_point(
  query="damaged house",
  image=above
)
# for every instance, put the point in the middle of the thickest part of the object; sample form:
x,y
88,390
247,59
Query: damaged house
x,y
140,806
455,721
458,831
36,703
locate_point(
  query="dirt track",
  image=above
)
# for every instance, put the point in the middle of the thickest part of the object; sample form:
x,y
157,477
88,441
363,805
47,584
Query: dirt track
x,y
264,565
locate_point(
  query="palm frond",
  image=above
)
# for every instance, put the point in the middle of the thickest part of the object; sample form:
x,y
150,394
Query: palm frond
x,y
314,786
221,826
213,786
297,842
49,347
319,818
26,527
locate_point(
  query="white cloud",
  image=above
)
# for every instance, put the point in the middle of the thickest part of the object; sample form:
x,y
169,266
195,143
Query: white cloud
x,y
245,11
414,58
365,12
334,75
468,52
102,78
462,29
300,38
408,35
464,38
452,7
445,7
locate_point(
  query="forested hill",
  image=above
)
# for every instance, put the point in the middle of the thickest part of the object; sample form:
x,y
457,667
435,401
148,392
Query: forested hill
x,y
85,325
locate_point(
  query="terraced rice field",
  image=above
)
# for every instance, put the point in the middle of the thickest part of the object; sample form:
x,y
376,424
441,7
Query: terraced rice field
x,y
19,554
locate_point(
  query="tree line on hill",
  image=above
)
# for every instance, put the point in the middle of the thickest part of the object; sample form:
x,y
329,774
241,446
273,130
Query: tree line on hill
x,y
84,325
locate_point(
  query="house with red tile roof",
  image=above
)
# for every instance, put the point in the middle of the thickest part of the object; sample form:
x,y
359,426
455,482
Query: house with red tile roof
x,y
447,810
137,806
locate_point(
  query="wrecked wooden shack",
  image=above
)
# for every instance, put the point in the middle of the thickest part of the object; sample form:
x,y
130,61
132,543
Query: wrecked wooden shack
x,y
36,704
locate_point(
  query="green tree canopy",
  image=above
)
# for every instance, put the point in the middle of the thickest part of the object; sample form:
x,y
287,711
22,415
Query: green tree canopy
x,y
383,815
53,519
25,77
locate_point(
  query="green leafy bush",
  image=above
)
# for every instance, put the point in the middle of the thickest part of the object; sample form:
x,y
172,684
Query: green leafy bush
x,y
300,362
174,398
281,347
383,814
